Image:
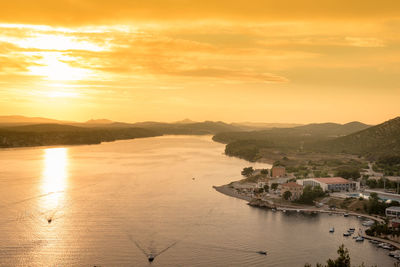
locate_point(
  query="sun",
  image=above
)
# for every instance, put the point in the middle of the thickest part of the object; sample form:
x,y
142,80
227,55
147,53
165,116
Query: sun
x,y
55,68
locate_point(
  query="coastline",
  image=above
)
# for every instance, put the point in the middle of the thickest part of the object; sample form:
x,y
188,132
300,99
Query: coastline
x,y
227,190
258,203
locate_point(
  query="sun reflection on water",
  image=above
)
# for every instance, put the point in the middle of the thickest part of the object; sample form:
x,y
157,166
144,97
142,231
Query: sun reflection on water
x,y
55,174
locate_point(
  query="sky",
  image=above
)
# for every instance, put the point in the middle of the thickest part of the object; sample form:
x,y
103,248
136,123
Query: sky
x,y
166,60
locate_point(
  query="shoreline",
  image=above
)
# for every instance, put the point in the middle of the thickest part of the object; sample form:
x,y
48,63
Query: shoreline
x,y
258,203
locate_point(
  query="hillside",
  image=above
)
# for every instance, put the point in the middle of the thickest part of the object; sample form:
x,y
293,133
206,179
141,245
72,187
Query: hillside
x,y
295,135
376,141
250,145
206,127
58,134
22,120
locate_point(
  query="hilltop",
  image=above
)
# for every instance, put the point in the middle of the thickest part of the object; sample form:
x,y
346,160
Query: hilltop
x,y
379,140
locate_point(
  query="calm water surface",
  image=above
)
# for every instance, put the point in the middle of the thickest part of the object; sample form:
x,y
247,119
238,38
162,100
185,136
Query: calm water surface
x,y
111,204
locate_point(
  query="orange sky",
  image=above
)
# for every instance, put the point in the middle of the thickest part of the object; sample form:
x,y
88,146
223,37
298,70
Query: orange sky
x,y
270,61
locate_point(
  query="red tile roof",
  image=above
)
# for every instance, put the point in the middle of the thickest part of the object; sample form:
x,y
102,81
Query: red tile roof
x,y
292,184
332,180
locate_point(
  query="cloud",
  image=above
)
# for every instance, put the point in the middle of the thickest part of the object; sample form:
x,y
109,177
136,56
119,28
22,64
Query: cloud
x,y
230,74
89,12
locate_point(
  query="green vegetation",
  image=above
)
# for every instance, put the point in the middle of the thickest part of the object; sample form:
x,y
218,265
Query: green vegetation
x,y
310,194
287,195
381,183
342,261
389,165
274,186
376,206
266,188
379,141
56,134
248,171
348,172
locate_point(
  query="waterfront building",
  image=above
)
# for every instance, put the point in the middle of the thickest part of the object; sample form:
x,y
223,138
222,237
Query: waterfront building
x,y
278,171
334,184
293,188
393,212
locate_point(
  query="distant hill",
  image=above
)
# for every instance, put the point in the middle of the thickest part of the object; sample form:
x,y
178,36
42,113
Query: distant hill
x,y
248,145
185,121
206,127
58,134
330,129
382,139
294,135
22,120
262,125
99,121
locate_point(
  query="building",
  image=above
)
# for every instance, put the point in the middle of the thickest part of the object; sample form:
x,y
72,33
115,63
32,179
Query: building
x,y
334,184
293,188
278,171
393,212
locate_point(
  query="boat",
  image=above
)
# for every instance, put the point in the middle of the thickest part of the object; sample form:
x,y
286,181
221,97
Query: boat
x,y
262,252
332,230
394,253
352,229
387,246
346,215
284,210
150,258
346,234
298,210
359,239
368,223
273,210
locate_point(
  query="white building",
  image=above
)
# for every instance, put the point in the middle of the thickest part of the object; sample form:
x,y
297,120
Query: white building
x,y
393,212
331,184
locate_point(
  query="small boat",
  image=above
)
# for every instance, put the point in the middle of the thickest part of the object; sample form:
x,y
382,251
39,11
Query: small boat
x,y
150,258
352,229
262,252
273,210
284,210
394,253
193,178
346,215
368,223
298,210
359,239
346,234
332,230
387,246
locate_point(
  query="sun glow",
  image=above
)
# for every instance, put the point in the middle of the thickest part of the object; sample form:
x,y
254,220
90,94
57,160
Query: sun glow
x,y
54,178
56,68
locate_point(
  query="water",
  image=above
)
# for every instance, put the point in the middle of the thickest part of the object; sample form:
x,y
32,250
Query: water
x,y
111,204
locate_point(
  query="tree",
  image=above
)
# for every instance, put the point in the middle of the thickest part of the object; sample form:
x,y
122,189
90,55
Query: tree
x,y
287,195
274,186
264,171
266,188
343,260
248,171
310,194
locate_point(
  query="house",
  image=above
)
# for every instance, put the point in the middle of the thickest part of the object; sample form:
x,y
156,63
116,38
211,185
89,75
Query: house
x,y
278,171
293,188
336,184
393,212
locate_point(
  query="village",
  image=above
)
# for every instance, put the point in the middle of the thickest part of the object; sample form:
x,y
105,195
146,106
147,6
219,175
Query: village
x,y
277,190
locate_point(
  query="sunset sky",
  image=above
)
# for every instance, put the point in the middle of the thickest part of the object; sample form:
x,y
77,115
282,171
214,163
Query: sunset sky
x,y
166,60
